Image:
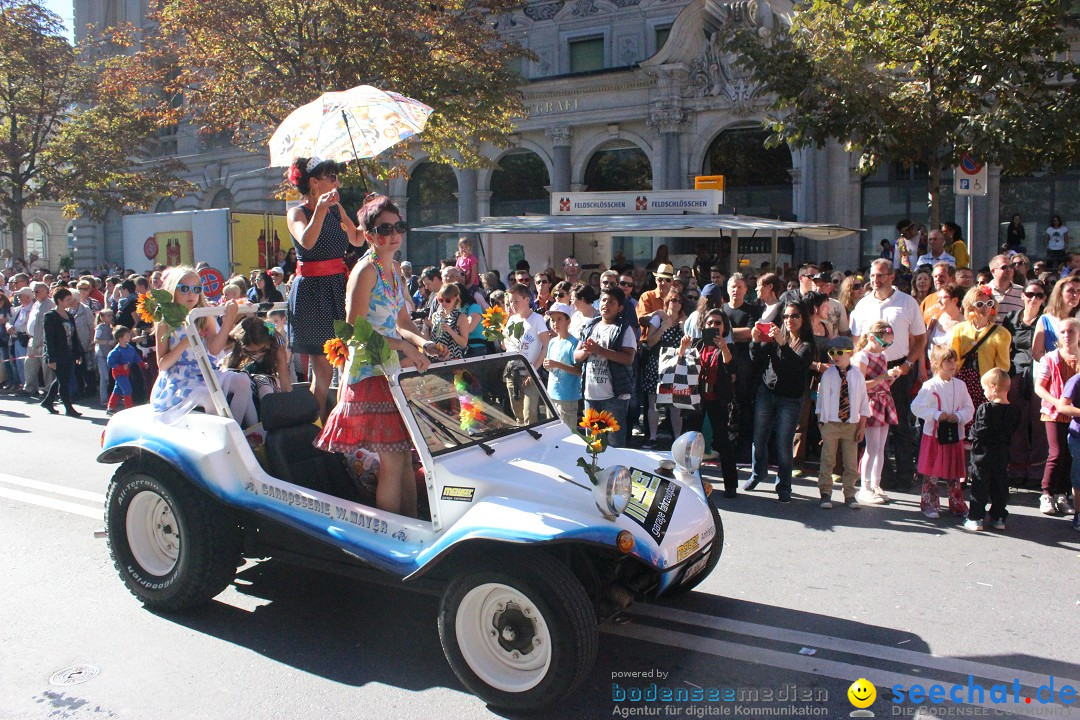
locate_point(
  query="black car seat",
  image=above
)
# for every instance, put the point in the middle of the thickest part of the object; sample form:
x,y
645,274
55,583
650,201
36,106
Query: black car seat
x,y
289,421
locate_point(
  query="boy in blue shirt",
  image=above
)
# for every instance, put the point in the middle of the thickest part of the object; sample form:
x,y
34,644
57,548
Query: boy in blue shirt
x,y
564,384
121,360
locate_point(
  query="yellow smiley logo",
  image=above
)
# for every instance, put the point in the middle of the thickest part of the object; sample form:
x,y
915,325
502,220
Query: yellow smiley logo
x,y
862,693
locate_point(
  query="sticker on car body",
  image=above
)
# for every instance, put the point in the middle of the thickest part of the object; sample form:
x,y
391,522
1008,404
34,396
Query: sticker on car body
x,y
688,548
458,494
652,502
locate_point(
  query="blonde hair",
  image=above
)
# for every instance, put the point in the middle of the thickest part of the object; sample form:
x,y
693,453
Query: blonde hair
x,y
173,276
1055,305
879,327
974,295
939,354
995,378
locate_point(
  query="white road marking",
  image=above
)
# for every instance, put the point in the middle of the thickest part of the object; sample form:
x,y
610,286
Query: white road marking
x,y
815,665
64,505
996,673
52,488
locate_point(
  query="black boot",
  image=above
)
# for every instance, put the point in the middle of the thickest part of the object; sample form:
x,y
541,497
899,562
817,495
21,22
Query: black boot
x,y
70,411
50,406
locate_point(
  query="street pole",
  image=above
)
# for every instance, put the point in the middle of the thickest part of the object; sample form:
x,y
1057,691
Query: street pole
x,y
968,229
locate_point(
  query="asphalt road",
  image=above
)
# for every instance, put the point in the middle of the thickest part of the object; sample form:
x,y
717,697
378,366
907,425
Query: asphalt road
x,y
803,602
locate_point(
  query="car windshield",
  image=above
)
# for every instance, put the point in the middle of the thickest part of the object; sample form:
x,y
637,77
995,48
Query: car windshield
x,y
478,400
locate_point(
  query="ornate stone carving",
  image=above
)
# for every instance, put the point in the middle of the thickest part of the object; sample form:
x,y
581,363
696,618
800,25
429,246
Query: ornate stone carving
x,y
545,61
668,120
560,135
629,50
584,8
544,11
626,3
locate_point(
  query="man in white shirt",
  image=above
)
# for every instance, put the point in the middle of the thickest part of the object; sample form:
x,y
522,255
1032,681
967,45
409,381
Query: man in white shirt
x,y
1009,295
885,302
531,341
937,253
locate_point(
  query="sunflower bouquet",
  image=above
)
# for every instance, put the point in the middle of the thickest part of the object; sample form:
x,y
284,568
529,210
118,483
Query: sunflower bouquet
x,y
361,338
595,426
158,306
493,322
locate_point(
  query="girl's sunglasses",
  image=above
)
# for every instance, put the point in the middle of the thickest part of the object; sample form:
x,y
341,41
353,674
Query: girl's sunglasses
x,y
400,227
883,342
197,289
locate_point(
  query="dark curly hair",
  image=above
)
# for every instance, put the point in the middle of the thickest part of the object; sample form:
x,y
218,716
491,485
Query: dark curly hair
x,y
299,176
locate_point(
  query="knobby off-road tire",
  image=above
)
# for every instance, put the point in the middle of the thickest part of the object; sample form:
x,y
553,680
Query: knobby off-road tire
x,y
520,637
174,546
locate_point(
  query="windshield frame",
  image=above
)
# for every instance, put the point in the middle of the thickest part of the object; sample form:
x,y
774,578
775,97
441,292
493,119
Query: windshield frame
x,y
406,373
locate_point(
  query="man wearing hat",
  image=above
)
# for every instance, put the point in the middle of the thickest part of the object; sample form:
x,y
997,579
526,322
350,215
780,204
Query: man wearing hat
x,y
564,377
842,410
653,300
412,283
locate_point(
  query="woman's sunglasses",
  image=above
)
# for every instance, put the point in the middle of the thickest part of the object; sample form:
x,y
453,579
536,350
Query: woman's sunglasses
x,y
197,289
400,227
1033,295
980,304
793,317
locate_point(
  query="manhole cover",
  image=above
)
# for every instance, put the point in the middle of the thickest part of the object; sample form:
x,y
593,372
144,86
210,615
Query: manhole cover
x,y
74,675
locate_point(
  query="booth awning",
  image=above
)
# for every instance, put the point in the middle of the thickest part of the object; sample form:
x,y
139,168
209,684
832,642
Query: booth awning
x,y
743,225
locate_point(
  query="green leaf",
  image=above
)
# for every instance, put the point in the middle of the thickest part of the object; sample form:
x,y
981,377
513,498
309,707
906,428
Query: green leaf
x,y
343,330
164,297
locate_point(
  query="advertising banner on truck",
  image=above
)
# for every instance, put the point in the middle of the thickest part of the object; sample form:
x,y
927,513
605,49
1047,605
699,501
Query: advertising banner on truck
x,y
257,238
177,238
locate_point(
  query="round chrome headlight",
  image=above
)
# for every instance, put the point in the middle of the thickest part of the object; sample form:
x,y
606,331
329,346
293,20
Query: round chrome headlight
x,y
687,451
612,493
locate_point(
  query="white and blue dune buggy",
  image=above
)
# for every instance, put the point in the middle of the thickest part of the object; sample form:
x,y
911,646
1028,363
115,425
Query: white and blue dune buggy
x,y
527,554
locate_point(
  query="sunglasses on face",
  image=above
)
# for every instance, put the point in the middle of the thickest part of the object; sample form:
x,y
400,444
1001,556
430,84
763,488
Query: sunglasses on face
x,y
332,177
571,265
838,352
1019,263
1033,295
793,317
980,304
882,341
857,286
558,294
197,289
693,298
543,282
400,227
626,284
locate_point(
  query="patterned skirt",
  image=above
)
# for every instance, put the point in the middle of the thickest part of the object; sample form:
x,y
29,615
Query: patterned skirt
x,y
970,377
948,462
366,417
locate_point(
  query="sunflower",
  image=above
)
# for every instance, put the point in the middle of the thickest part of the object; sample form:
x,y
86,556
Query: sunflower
x,y
597,422
494,317
336,351
147,308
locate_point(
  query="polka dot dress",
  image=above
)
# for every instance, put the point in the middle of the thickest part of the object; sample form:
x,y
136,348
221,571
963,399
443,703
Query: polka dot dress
x,y
316,302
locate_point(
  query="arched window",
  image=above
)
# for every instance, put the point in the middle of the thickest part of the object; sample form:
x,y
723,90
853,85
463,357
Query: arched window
x,y
618,167
431,201
518,186
36,237
757,179
167,204
222,199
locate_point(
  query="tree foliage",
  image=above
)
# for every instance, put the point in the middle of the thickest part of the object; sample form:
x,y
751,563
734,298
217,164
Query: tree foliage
x,y
68,130
244,65
923,81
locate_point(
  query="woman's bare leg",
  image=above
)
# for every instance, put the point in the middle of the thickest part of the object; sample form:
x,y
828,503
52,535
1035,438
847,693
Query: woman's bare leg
x,y
321,375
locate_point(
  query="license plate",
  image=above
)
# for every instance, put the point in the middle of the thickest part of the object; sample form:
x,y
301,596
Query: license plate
x,y
696,567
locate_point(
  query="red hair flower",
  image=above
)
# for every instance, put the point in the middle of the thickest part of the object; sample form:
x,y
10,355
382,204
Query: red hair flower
x,y
294,176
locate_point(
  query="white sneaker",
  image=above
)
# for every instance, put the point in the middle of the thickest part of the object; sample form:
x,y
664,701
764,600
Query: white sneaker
x,y
878,493
1046,505
826,504
973,525
932,514
1061,504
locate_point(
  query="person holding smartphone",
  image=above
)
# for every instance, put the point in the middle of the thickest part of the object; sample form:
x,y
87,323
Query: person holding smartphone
x,y
716,371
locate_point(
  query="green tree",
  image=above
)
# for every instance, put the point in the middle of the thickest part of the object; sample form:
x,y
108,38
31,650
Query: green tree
x,y
922,81
69,124
244,65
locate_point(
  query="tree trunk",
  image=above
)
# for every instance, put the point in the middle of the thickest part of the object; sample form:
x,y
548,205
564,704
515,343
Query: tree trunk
x,y
933,195
16,204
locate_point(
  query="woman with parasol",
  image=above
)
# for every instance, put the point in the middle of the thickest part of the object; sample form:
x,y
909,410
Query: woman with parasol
x,y
322,232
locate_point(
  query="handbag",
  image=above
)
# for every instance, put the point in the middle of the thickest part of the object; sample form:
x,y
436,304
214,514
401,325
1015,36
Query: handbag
x,y
948,431
679,384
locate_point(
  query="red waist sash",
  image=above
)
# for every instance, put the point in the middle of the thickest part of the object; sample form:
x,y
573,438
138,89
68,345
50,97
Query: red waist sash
x,y
320,268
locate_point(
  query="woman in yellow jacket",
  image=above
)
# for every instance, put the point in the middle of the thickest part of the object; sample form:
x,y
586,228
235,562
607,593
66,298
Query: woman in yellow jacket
x,y
978,325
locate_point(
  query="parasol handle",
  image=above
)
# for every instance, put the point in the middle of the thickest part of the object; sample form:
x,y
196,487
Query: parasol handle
x,y
363,180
